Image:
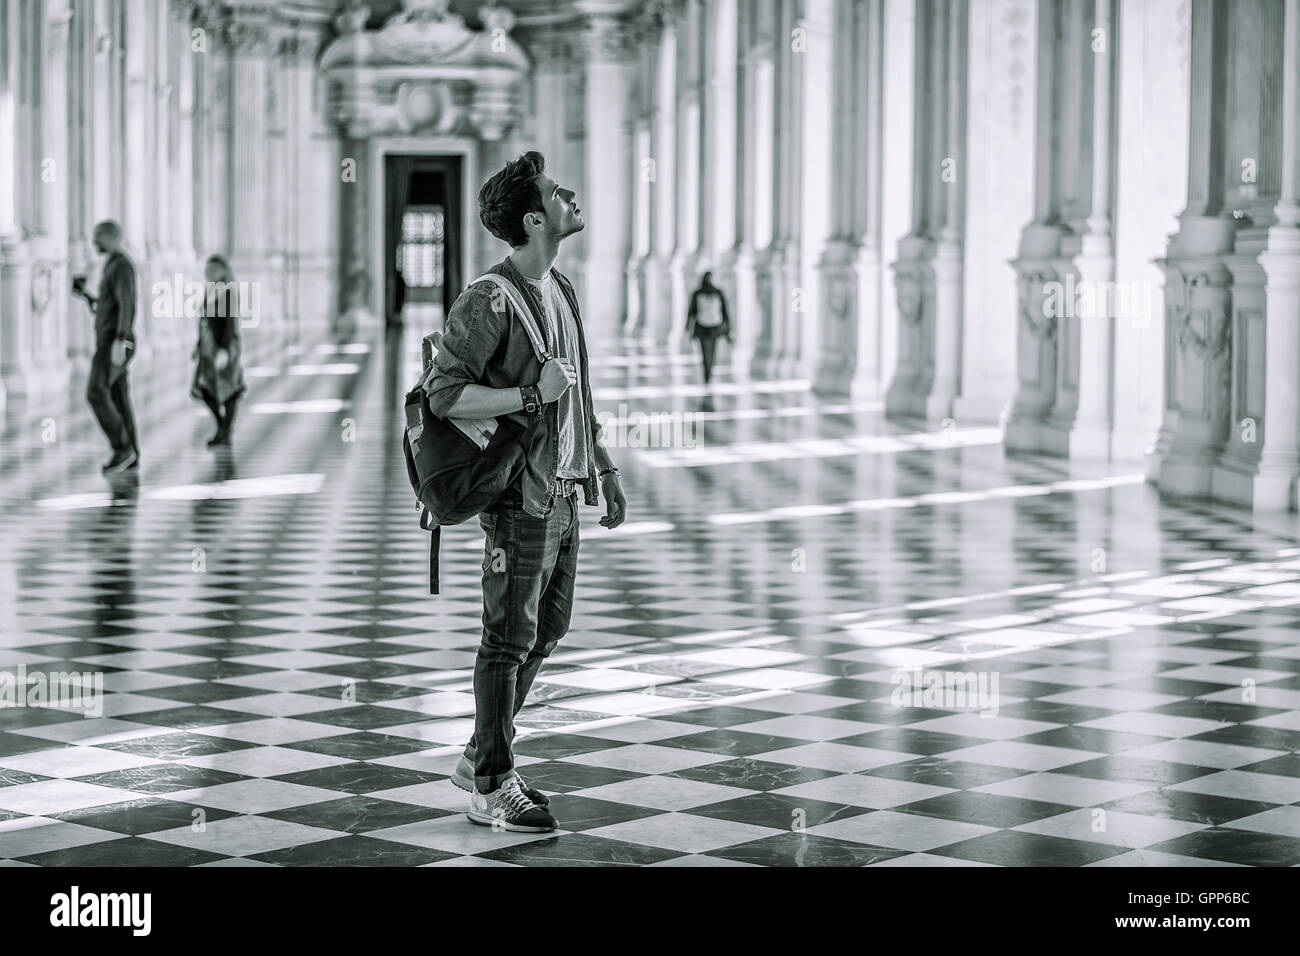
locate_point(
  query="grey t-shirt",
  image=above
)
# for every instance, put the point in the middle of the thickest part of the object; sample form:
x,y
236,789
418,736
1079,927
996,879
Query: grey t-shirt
x,y
562,335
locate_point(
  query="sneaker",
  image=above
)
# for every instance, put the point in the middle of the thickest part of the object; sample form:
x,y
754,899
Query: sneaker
x,y
463,777
121,461
510,809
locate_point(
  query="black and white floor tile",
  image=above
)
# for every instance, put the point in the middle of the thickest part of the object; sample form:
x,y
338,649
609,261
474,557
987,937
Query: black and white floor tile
x,y
280,690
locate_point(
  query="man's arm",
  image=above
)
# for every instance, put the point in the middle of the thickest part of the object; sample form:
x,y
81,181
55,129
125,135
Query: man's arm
x,y
691,311
474,331
599,451
124,295
726,316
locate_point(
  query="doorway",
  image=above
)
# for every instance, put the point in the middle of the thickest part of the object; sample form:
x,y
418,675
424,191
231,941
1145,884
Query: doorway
x,y
423,258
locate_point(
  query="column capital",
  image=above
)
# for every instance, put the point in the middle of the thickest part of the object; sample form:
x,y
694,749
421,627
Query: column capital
x,y
606,39
249,31
550,45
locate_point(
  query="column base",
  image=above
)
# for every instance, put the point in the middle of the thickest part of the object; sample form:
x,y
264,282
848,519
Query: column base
x,y
981,409
1184,476
1090,441
1031,435
939,408
1274,491
658,305
1133,443
832,379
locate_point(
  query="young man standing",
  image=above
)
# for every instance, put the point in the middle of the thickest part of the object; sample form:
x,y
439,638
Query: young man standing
x,y
485,367
108,389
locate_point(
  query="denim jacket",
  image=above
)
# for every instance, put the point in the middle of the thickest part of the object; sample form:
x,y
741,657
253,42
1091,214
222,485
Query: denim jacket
x,y
483,346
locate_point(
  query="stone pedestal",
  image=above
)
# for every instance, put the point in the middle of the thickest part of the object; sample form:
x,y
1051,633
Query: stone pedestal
x,y
1198,334
1038,345
914,284
1279,463
842,320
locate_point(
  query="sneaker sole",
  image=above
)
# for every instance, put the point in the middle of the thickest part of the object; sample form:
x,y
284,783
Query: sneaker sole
x,y
487,820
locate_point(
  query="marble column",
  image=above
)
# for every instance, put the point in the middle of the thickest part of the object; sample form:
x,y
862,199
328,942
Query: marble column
x,y
1279,462
779,274
1151,188
685,265
249,238
642,233
1198,295
850,314
899,124
718,124
136,176
663,183
280,180
815,199
928,271
609,170
49,301
82,163
946,384
182,169
999,200
736,273
316,151
1039,265
212,136
1090,432
16,368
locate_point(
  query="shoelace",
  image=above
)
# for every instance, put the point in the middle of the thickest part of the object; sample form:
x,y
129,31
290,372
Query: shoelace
x,y
514,799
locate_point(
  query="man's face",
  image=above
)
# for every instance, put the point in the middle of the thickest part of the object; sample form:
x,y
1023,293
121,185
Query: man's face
x,y
563,216
99,245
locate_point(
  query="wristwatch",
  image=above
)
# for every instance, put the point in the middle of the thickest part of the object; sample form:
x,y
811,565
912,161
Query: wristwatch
x,y
532,400
609,471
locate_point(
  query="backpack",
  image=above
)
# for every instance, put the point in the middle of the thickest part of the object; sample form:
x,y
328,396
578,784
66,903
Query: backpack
x,y
459,467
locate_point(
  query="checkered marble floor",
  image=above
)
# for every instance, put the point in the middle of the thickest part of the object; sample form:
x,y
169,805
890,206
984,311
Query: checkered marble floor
x,y
769,663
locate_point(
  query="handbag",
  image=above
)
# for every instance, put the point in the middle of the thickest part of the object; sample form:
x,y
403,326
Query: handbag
x,y
460,467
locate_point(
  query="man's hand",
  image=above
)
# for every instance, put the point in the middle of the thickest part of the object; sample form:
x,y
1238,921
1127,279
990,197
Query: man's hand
x,y
117,354
557,375
615,503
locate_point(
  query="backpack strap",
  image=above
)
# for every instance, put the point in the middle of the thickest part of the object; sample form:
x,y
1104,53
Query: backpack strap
x,y
524,313
435,539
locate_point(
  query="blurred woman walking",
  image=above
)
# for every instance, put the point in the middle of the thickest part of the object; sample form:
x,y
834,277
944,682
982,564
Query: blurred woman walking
x,y
707,320
218,372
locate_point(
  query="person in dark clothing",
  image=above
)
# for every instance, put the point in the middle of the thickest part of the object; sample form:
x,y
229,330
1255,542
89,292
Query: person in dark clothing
x,y
399,298
708,321
108,389
218,373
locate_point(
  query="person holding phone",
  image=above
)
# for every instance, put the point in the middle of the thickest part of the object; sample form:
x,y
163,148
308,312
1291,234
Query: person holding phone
x,y
108,389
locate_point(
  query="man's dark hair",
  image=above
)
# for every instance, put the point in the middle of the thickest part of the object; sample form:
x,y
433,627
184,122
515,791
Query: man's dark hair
x,y
510,195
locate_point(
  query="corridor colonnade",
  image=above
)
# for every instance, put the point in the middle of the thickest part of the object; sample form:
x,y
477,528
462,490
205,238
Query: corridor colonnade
x,y
189,122
1078,217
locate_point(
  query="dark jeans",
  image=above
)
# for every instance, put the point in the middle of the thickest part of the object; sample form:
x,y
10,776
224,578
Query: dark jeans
x,y
109,394
529,565
708,348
